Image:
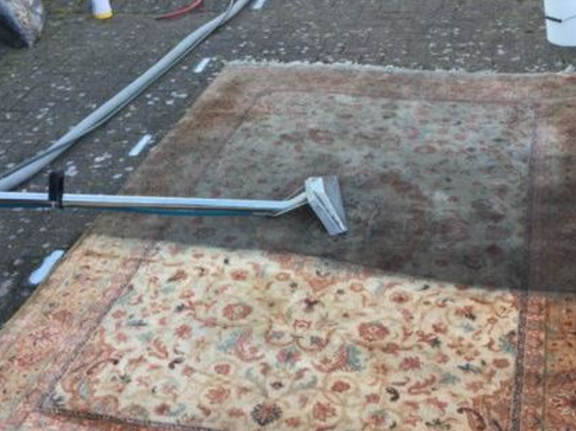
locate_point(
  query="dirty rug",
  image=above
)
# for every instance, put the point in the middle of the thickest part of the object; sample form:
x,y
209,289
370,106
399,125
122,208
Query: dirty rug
x,y
448,305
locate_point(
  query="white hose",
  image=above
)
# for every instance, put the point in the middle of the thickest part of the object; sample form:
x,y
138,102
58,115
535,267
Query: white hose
x,y
27,169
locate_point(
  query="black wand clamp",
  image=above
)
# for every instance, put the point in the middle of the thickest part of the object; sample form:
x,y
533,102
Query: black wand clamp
x,y
56,188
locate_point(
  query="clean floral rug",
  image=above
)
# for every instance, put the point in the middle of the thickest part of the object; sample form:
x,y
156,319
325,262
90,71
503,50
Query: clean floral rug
x,y
448,306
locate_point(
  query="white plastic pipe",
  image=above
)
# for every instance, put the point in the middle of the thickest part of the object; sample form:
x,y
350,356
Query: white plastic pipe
x,y
71,200
27,169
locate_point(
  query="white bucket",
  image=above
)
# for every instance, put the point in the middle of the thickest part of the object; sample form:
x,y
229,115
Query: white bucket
x,y
561,22
101,9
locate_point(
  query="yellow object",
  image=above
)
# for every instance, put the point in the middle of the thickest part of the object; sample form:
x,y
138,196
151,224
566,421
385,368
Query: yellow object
x,y
104,15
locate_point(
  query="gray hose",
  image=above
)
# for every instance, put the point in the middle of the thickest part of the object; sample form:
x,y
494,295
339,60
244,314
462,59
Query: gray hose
x,y
24,171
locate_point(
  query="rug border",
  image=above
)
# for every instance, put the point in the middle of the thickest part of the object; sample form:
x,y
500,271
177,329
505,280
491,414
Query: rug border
x,y
229,74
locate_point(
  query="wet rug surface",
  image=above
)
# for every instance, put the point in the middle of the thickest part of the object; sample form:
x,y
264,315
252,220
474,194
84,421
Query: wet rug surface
x,y
447,306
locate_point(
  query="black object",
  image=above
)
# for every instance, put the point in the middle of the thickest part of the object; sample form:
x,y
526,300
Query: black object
x,y
56,188
551,18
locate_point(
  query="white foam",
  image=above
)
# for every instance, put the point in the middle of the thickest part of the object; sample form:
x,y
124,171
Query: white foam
x,y
347,65
71,171
5,287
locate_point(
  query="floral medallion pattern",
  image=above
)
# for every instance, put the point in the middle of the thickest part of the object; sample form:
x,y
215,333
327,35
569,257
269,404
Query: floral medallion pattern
x,y
244,340
435,189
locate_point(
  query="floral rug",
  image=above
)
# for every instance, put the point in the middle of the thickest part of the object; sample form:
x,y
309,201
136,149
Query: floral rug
x,y
448,306
270,340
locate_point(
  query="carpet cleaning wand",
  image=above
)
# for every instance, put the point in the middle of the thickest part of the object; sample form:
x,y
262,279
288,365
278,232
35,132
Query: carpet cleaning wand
x,y
322,194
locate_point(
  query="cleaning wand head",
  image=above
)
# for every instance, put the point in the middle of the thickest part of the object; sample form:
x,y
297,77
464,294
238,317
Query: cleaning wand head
x,y
323,195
